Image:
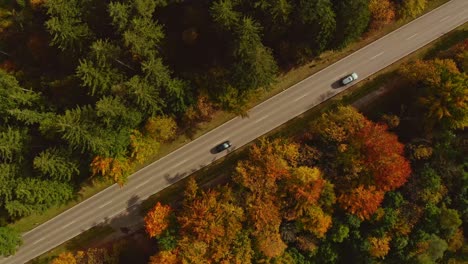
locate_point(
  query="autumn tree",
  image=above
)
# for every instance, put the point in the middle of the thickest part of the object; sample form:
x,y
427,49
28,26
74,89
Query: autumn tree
x,y
412,8
142,147
210,226
305,188
116,169
449,221
91,255
447,103
382,13
161,128
157,219
368,160
442,92
431,249
167,257
361,201
379,246
384,156
65,258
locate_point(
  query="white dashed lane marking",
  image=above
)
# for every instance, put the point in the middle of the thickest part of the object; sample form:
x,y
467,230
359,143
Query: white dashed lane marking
x,y
104,205
412,36
141,184
262,118
376,55
445,18
299,98
69,223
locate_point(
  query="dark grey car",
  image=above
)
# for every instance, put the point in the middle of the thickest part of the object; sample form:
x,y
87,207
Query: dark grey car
x,y
223,146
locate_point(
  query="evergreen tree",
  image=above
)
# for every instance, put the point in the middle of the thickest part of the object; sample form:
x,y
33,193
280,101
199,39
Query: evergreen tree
x,y
352,17
67,22
56,164
34,195
255,66
13,96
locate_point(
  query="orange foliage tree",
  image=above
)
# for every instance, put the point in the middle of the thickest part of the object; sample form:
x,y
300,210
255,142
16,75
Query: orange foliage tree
x,y
91,255
382,13
209,228
268,163
157,219
166,257
369,159
362,201
65,258
117,169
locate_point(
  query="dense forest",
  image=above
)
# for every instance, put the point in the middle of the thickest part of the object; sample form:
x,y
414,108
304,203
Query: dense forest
x,y
347,190
91,88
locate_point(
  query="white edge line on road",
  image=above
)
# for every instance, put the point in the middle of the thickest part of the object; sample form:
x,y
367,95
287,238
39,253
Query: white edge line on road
x,y
104,205
231,120
412,36
69,223
376,55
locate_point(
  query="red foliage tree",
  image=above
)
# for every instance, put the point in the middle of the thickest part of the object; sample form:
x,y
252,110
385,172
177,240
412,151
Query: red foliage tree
x,y
361,201
384,156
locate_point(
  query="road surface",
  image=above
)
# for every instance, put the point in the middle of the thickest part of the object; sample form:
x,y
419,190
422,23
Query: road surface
x,y
240,131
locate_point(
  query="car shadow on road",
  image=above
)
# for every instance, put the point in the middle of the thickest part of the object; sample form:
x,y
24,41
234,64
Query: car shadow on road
x,y
337,83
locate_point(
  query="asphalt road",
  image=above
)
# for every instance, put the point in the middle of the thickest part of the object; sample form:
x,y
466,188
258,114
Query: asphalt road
x,y
268,115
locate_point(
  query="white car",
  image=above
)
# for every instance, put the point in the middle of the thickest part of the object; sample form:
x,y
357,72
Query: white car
x,y
350,78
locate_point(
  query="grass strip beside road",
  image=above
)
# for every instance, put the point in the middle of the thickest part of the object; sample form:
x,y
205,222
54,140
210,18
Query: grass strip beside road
x,y
81,242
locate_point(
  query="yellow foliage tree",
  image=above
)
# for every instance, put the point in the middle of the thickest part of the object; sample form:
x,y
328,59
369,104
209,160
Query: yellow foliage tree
x,y
456,241
161,128
166,257
382,12
65,258
379,246
316,221
117,169
142,147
